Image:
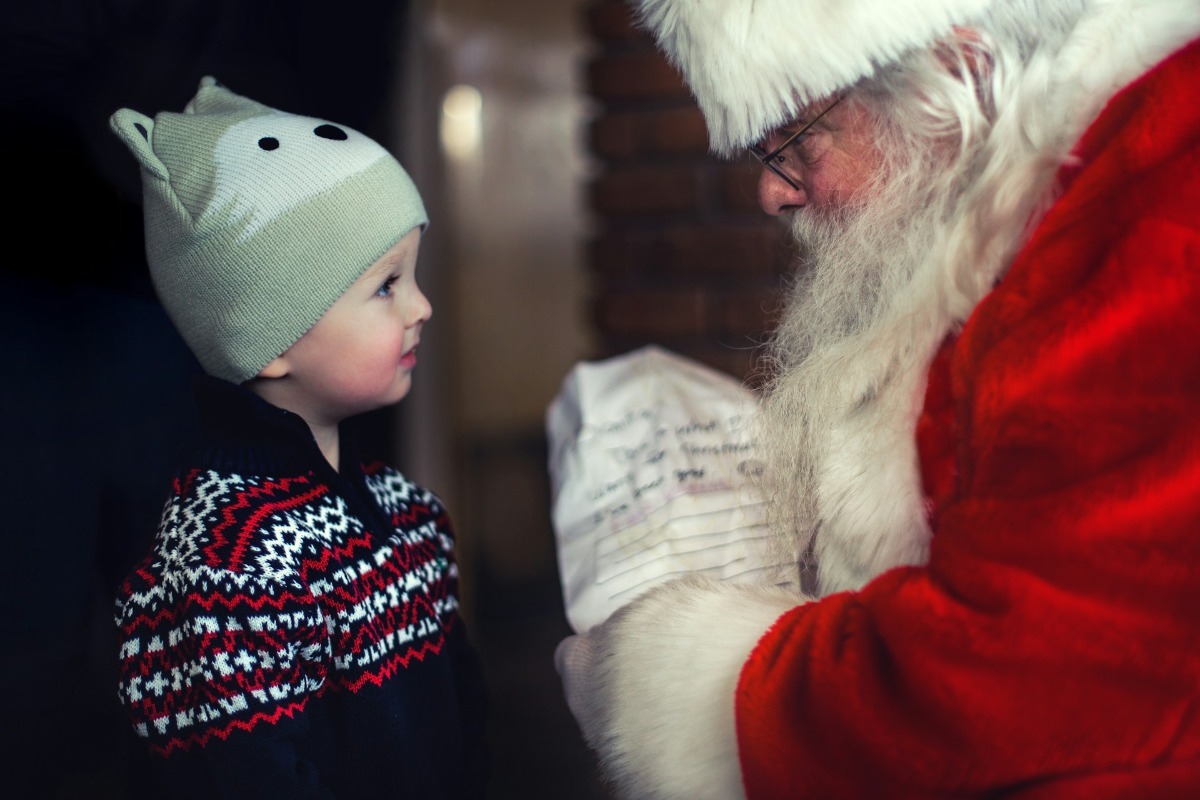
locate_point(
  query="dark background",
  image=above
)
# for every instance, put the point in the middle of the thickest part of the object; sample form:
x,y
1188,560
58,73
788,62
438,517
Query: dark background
x,y
96,384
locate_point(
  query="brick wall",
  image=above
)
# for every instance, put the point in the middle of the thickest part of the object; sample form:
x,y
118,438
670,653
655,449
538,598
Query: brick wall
x,y
682,256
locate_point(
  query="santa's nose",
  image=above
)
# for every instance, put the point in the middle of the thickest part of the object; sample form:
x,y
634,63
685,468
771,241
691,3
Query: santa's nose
x,y
776,196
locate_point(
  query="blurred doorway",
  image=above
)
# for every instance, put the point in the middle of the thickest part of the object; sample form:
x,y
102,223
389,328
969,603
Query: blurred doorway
x,y
494,120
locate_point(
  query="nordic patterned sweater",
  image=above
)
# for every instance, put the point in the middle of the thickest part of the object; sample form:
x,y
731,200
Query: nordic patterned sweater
x,y
293,631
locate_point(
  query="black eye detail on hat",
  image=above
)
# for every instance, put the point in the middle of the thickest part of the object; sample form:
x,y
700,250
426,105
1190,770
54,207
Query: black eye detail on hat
x,y
268,143
327,131
142,130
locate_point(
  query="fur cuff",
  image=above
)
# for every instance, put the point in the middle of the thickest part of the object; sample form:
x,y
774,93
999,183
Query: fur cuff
x,y
666,677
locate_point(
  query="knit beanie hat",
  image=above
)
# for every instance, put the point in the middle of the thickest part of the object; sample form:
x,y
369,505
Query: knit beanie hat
x,y
258,220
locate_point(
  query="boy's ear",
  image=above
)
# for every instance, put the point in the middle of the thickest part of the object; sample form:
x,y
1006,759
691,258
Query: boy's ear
x,y
277,368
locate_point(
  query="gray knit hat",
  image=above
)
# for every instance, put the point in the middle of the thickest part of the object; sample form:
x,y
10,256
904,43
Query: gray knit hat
x,y
258,220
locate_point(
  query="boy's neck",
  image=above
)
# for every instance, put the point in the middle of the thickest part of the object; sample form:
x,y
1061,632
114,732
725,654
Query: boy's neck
x,y
327,442
324,432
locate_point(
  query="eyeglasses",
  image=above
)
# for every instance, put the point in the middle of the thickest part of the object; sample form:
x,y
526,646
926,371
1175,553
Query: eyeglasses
x,y
774,159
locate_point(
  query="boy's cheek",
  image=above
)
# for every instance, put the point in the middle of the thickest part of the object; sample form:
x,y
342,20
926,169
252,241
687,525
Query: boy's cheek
x,y
378,382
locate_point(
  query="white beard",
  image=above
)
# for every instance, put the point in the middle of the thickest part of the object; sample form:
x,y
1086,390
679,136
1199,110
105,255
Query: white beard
x,y
849,360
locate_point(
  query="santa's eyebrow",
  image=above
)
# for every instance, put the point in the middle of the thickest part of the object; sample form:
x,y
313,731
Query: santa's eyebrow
x,y
798,124
811,117
789,137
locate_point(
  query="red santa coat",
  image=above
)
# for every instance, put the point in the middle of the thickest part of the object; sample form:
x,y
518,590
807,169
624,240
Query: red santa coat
x,y
1051,646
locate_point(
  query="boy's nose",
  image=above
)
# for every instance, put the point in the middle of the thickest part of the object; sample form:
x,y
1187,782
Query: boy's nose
x,y
420,309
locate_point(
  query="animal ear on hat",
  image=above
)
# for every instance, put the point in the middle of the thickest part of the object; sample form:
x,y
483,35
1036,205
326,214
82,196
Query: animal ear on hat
x,y
213,97
136,130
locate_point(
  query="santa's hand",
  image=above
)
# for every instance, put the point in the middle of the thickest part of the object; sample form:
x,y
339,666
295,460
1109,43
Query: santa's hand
x,y
653,695
575,659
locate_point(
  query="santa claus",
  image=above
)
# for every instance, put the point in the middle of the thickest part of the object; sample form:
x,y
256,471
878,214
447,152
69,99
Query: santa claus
x,y
983,421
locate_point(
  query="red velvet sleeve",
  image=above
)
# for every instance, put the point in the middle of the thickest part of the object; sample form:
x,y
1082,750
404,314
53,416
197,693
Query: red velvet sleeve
x,y
1051,646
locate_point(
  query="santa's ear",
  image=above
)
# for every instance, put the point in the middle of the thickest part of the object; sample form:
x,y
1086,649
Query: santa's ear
x,y
965,53
277,368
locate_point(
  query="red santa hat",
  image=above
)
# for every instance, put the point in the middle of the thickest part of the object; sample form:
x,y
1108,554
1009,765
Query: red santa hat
x,y
753,64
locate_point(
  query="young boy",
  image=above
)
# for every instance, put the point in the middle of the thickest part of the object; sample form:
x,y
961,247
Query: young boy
x,y
293,631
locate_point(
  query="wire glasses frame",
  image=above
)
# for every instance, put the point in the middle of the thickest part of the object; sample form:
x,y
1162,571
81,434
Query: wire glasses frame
x,y
771,160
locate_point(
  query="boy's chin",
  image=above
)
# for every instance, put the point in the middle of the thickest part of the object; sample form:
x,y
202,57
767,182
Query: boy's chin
x,y
393,394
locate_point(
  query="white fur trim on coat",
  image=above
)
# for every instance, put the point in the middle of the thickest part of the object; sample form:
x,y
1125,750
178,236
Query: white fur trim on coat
x,y
752,64
665,707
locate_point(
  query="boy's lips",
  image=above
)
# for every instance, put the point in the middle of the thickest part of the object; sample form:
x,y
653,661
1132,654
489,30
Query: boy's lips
x,y
409,357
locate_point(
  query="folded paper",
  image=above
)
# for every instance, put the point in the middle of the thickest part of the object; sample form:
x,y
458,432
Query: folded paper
x,y
652,463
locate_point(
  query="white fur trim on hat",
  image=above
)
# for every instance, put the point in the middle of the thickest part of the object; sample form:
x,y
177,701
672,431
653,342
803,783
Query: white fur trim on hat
x,y
752,64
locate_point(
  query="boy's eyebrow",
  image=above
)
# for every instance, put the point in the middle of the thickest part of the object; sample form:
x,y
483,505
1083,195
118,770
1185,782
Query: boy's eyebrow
x,y
381,266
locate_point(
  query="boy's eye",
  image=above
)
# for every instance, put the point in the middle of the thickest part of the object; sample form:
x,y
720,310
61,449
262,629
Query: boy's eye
x,y
385,288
